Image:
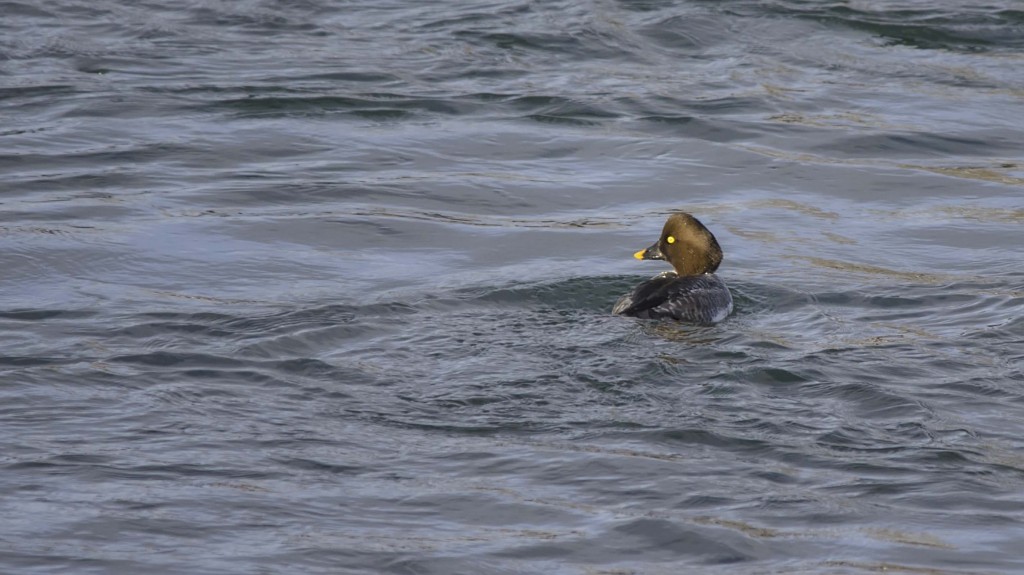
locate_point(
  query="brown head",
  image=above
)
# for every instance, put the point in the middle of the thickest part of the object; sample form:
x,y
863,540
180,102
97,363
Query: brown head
x,y
690,247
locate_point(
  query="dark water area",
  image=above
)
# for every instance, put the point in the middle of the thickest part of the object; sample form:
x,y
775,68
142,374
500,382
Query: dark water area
x,y
325,287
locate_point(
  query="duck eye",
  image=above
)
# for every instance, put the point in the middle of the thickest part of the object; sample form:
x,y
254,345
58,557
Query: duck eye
x,y
670,240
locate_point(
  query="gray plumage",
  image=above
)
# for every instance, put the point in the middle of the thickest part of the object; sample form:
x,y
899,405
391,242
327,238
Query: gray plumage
x,y
702,299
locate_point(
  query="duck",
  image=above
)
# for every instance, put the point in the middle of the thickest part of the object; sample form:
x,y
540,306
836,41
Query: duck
x,y
692,293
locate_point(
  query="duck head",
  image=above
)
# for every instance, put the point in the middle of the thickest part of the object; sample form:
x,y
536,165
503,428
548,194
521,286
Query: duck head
x,y
686,244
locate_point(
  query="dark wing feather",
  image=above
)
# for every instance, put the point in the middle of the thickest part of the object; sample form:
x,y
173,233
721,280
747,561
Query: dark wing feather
x,y
700,299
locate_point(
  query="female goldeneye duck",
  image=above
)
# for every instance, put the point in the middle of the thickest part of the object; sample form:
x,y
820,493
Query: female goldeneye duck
x,y
692,293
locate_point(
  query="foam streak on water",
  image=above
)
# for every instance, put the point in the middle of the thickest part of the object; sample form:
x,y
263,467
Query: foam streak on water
x,y
325,288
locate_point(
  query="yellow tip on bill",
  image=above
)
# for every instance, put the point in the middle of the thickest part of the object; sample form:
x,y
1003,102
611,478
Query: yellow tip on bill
x,y
639,255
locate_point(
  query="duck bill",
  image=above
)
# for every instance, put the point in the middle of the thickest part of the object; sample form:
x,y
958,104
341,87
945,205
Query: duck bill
x,y
651,253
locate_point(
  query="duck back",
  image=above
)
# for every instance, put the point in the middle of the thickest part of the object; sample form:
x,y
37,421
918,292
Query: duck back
x,y
702,299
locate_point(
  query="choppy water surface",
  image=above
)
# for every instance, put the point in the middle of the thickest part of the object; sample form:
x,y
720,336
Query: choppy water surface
x,y
324,287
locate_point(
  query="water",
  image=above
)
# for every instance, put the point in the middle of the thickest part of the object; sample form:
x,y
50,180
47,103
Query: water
x,y
324,288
